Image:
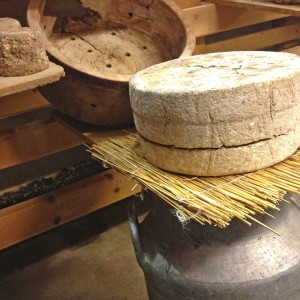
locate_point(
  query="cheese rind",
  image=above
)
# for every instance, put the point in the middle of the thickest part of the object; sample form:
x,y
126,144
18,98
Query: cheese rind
x,y
21,51
9,24
223,161
237,110
228,134
214,96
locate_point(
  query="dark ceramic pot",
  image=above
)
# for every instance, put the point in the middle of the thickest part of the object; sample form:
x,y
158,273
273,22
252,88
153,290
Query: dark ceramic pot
x,y
206,262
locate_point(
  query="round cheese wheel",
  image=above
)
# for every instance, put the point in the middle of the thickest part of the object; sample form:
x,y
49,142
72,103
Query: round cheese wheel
x,y
218,108
21,50
9,24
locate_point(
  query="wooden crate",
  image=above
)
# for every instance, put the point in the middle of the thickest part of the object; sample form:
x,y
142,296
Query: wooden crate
x,y
31,137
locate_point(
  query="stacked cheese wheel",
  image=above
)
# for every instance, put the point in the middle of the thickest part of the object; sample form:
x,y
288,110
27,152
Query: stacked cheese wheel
x,y
21,50
218,114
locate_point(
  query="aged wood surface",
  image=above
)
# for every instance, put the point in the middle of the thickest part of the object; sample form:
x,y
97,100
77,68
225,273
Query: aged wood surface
x,y
107,43
12,85
266,5
115,50
187,3
294,50
32,141
209,18
115,44
256,41
91,134
22,221
37,145
27,172
20,102
22,108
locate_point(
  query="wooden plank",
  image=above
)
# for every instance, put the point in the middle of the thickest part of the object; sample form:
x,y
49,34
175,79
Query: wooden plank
x,y
22,102
33,141
294,50
22,108
12,85
91,134
187,3
266,5
256,41
22,221
41,167
200,45
209,19
20,119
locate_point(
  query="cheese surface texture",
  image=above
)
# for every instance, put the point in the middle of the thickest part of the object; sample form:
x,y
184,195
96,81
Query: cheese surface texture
x,y
232,106
21,50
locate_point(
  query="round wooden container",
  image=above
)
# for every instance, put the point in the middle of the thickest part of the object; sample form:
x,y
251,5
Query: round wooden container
x,y
102,44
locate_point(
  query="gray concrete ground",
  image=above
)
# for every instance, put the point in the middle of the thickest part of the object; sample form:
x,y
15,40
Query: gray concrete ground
x,y
91,258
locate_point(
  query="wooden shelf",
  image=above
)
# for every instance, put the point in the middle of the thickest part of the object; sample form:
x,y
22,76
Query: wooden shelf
x,y
12,85
91,134
34,141
265,5
25,145
256,40
27,219
21,102
209,18
294,50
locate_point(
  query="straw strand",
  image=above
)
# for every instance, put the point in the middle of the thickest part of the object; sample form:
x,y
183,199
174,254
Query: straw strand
x,y
212,200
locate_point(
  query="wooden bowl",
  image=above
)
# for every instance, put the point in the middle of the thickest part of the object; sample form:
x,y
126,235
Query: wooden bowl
x,y
102,44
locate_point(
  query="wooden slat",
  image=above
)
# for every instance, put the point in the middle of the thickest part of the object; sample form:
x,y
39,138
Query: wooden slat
x,y
22,102
27,172
209,19
187,3
22,108
266,5
294,50
20,119
22,221
12,85
256,41
91,134
33,141
200,45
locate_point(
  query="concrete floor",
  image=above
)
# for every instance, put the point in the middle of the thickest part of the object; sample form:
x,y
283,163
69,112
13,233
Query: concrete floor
x,y
91,258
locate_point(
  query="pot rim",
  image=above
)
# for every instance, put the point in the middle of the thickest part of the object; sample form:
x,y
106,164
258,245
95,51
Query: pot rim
x,y
34,21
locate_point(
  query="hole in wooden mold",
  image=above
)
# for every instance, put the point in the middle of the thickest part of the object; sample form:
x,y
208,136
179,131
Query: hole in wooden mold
x,y
56,220
113,33
90,50
144,47
108,65
93,105
72,38
130,15
127,54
